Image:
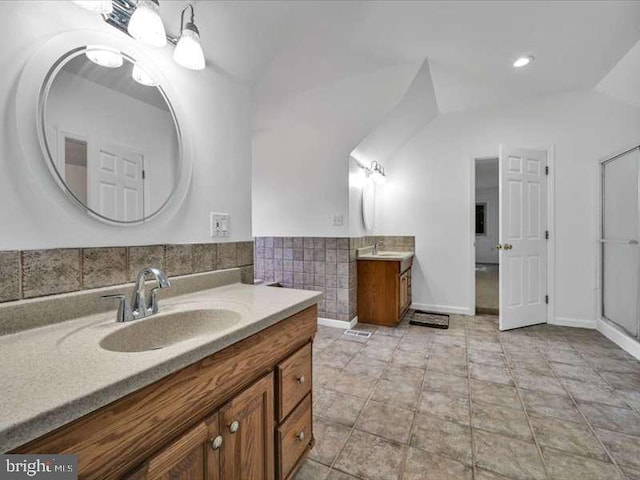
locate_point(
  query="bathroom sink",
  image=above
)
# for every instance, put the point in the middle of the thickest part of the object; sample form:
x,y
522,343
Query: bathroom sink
x,y
164,330
389,254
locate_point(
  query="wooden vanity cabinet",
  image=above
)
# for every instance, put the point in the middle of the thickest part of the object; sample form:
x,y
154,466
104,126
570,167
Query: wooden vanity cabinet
x,y
234,443
242,413
384,291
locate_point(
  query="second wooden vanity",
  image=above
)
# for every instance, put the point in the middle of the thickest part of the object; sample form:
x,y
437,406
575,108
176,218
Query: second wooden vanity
x,y
384,288
242,413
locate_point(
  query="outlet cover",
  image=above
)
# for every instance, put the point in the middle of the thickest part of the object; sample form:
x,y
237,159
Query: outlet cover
x,y
220,224
338,220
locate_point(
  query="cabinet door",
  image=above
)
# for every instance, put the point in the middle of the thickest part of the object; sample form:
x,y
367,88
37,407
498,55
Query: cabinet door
x,y
214,447
183,459
248,434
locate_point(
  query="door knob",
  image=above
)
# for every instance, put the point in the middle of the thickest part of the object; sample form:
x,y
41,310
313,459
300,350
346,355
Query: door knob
x,y
507,246
499,247
216,443
235,425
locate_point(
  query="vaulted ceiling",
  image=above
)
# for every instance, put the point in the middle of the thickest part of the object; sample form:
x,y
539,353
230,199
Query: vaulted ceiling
x,y
284,47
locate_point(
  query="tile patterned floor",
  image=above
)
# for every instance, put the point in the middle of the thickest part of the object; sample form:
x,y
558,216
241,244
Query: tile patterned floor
x,y
470,402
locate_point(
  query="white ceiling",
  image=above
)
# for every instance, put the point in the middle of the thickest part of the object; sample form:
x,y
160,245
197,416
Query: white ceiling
x,y
287,46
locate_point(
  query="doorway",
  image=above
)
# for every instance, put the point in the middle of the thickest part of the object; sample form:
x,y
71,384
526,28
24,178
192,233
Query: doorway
x,y
516,285
487,221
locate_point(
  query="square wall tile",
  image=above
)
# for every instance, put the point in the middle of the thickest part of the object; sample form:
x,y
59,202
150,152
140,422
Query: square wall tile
x,y
245,253
145,256
9,276
205,257
179,259
102,267
247,274
227,255
47,272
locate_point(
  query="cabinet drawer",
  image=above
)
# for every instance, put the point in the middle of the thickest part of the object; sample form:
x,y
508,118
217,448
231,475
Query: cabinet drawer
x,y
293,438
294,380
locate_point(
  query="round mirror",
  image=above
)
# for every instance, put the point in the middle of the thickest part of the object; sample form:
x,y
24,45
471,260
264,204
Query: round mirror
x,y
368,203
109,134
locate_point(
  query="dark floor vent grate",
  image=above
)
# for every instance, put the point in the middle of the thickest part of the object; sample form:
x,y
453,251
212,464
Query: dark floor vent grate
x,y
357,333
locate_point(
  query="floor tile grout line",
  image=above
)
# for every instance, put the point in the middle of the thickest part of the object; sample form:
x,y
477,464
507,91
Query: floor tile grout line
x,y
417,406
353,427
591,428
474,468
526,414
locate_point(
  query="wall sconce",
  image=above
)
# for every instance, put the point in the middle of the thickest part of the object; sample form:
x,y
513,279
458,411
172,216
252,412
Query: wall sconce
x,y
188,52
376,171
141,20
146,25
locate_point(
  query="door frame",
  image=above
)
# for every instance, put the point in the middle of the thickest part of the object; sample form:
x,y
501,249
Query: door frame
x,y
551,257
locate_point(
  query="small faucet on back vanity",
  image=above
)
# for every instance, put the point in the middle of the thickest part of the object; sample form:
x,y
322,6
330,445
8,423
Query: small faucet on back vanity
x,y
140,307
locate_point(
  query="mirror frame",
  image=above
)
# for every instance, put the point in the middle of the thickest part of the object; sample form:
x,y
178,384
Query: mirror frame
x,y
35,82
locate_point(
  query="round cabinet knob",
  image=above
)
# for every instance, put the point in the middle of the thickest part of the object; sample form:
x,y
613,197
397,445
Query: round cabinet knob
x,y
235,425
301,379
300,436
216,443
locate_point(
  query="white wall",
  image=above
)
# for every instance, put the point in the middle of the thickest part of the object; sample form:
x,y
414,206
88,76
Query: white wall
x,y
301,148
486,251
429,187
219,124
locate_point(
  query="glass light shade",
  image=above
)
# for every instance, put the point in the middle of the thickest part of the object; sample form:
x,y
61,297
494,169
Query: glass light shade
x,y
523,61
142,77
104,57
188,52
146,25
104,7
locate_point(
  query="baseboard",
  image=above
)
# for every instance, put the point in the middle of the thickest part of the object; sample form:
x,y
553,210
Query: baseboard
x,y
572,322
442,309
620,338
333,323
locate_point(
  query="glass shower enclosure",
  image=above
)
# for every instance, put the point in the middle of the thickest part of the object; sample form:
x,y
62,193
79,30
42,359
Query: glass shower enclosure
x,y
620,241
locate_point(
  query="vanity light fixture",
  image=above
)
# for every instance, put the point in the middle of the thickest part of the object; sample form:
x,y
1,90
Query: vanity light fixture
x,y
142,77
104,57
377,173
188,52
104,7
523,61
146,25
141,20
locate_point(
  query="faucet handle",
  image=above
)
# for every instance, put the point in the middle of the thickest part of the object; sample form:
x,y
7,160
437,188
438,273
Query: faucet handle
x,y
152,307
124,309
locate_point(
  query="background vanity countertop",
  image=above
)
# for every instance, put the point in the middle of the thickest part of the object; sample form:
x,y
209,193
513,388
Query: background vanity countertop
x,y
384,256
57,373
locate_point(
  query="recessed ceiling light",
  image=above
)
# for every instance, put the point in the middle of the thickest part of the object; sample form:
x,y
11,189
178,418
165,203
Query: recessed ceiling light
x,y
523,61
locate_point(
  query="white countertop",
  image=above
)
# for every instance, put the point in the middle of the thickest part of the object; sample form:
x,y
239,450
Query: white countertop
x,y
57,373
385,256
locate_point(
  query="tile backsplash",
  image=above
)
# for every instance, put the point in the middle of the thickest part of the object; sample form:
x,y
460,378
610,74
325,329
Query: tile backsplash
x,y
324,264
35,273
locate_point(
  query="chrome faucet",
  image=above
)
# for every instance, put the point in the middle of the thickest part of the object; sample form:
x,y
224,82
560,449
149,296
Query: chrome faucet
x,y
376,246
140,307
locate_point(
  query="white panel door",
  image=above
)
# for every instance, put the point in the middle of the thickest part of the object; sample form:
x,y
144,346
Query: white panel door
x,y
523,224
116,189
